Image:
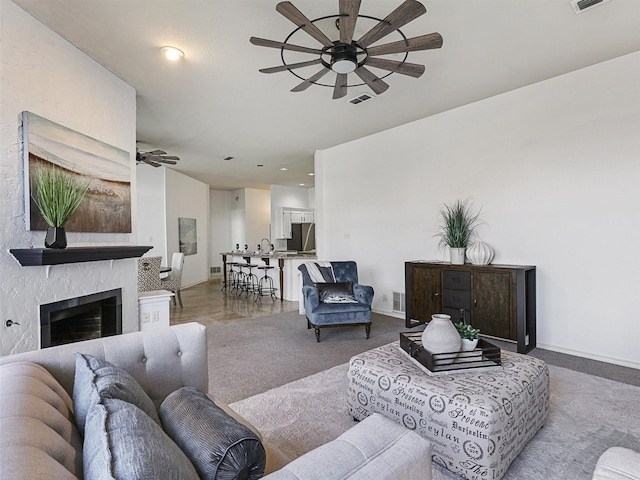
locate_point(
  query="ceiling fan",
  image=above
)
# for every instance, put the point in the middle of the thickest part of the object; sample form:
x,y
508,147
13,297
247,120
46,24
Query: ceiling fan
x,y
156,158
345,54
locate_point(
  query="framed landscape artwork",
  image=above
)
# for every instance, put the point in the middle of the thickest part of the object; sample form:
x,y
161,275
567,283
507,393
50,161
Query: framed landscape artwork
x,y
107,205
188,236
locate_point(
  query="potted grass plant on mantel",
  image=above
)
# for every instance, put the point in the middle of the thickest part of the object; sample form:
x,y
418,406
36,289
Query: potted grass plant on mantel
x,y
58,194
458,224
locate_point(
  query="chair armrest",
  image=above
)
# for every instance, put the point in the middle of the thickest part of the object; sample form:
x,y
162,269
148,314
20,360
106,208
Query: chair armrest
x,y
363,293
311,297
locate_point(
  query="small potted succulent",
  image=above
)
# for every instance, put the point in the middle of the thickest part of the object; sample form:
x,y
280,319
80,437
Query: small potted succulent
x,y
458,225
58,194
469,336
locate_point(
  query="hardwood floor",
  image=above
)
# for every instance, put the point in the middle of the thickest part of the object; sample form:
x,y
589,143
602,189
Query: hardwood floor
x,y
208,304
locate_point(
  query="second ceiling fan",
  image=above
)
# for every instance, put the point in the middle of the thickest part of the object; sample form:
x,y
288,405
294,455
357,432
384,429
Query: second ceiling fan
x,y
346,55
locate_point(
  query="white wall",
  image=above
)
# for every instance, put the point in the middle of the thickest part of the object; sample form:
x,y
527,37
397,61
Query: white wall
x,y
556,169
220,240
188,198
152,226
48,76
257,216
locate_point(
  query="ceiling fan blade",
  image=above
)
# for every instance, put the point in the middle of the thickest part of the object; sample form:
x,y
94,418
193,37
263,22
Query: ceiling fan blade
x,y
170,162
309,81
376,84
170,157
261,42
155,152
150,162
296,16
411,69
423,42
348,16
340,88
408,11
291,66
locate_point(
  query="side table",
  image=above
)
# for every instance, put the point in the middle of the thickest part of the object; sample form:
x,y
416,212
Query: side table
x,y
477,421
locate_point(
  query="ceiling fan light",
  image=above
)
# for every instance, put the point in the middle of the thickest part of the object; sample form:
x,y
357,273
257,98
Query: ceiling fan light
x,y
343,65
172,53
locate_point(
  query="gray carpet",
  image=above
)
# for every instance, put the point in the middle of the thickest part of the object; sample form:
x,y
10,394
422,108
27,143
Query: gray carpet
x,y
587,415
250,356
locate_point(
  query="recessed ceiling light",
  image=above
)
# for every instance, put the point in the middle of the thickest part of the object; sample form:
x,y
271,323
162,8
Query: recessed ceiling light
x,y
301,184
311,174
172,53
284,169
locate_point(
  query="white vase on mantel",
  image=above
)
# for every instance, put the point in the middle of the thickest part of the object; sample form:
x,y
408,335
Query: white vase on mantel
x,y
456,256
479,253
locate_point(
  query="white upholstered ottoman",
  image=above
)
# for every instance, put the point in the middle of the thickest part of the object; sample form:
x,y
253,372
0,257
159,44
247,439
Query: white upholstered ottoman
x,y
477,421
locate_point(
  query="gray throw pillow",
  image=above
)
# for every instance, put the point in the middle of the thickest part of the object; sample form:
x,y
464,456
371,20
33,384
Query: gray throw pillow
x,y
219,446
338,292
96,378
121,442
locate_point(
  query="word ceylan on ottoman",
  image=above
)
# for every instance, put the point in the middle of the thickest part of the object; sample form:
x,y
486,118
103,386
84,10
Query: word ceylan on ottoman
x,y
477,421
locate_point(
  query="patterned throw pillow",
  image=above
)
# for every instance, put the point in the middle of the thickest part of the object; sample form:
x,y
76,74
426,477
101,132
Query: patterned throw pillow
x,y
122,442
339,292
96,379
218,445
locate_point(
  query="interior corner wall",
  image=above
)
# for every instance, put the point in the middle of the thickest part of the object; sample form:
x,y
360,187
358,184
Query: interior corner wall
x,y
257,216
152,225
44,74
554,167
188,198
220,228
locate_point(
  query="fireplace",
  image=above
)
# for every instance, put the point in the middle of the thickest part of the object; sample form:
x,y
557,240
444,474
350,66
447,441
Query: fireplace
x,y
81,318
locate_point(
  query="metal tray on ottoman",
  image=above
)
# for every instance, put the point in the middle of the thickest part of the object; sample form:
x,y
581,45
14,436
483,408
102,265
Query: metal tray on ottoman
x,y
485,354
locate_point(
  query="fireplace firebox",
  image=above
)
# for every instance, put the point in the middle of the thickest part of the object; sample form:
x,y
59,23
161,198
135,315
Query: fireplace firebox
x,y
81,318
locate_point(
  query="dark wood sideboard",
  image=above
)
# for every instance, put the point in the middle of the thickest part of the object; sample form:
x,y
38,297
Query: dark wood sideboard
x,y
500,300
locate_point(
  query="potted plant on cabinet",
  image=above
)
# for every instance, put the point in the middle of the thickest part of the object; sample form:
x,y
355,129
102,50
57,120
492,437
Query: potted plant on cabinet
x,y
458,225
469,336
58,194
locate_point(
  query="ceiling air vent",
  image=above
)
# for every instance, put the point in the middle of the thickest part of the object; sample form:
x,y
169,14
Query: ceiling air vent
x,y
581,5
361,98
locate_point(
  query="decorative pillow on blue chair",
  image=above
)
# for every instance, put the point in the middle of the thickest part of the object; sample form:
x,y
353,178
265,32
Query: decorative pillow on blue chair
x,y
218,445
339,292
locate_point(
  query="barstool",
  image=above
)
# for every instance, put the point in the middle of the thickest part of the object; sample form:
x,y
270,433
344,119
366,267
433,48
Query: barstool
x,y
266,284
236,277
229,277
249,279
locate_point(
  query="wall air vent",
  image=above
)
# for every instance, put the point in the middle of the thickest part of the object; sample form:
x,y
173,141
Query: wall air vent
x,y
361,98
398,302
580,6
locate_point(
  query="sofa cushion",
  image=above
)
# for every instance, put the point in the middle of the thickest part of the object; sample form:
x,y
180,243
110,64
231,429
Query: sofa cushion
x,y
122,442
36,422
218,445
340,292
96,378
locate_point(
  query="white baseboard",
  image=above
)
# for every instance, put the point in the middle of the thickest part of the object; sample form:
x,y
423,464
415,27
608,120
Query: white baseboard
x,y
579,353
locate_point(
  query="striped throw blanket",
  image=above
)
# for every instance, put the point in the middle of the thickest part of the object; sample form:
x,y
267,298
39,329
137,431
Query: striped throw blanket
x,y
320,272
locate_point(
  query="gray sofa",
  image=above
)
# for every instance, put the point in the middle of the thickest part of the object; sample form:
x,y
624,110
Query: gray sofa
x,y
40,440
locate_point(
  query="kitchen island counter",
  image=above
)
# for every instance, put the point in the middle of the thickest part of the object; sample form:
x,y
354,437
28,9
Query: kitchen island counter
x,y
287,274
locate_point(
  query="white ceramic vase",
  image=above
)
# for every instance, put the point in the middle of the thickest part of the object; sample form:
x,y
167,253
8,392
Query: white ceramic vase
x,y
456,256
479,253
441,336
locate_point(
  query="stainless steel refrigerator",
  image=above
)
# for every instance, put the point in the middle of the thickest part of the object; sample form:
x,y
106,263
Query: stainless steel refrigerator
x,y
303,237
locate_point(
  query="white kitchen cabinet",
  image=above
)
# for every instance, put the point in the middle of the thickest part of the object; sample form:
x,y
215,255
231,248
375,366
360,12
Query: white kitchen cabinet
x,y
283,223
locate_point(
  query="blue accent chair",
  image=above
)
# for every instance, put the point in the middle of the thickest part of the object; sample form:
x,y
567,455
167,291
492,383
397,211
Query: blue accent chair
x,y
320,315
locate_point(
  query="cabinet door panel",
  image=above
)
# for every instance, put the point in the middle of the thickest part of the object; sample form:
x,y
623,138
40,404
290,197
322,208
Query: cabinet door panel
x,y
423,297
492,304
